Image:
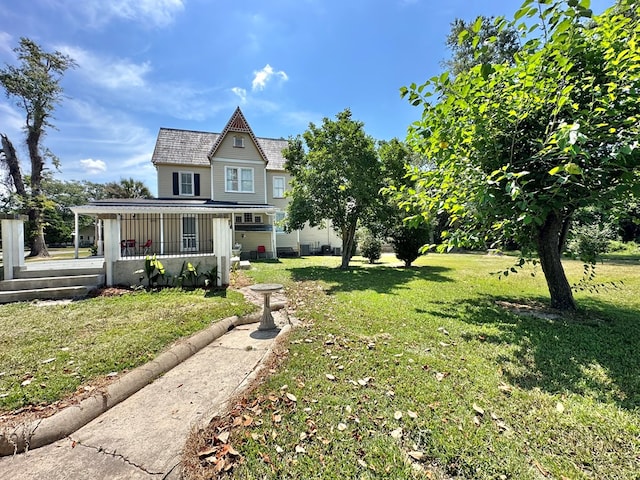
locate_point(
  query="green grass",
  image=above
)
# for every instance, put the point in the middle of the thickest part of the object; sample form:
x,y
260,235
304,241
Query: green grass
x,y
60,347
483,392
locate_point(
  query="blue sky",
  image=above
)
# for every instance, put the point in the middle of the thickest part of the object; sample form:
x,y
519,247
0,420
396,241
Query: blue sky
x,y
146,64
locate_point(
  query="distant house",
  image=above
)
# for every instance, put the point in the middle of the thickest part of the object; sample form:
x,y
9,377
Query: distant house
x,y
216,192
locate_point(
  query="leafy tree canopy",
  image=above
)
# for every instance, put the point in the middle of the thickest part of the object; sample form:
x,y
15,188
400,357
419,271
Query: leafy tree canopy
x,y
126,188
479,42
519,148
336,175
35,86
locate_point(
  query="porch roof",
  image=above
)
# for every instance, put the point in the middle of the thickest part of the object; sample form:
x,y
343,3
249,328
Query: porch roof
x,y
160,205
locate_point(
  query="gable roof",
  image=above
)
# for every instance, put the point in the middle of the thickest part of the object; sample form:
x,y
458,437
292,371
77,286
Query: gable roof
x,y
237,123
194,148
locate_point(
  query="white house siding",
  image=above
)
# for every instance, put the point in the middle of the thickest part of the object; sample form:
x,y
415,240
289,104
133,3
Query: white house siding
x,y
280,203
165,180
219,181
317,237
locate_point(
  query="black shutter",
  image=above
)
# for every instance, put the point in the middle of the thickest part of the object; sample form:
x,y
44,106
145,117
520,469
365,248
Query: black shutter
x,y
176,185
196,184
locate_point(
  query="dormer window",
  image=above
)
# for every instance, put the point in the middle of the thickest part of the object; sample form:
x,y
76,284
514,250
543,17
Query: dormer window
x,y
238,142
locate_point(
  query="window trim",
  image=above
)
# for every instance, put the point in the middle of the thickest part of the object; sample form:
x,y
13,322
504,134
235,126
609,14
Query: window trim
x,y
193,184
238,141
284,185
227,168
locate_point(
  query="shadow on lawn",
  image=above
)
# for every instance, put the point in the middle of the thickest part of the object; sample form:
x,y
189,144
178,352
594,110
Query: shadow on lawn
x,y
380,279
592,353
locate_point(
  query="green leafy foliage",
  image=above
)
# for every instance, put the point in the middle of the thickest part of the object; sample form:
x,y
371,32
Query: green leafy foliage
x,y
519,148
409,240
336,175
370,245
154,272
35,86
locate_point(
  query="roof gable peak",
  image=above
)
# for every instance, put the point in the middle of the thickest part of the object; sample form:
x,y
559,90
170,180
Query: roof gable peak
x,y
237,123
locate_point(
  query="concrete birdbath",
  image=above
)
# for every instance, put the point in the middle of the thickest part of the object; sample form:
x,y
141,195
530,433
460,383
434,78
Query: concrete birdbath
x,y
266,289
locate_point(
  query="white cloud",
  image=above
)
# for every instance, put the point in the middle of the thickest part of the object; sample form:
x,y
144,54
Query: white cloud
x,y
154,13
261,77
93,167
241,93
112,73
12,121
5,42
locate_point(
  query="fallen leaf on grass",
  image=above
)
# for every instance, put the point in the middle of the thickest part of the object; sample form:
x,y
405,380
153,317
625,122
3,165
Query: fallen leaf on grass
x,y
26,382
48,360
279,449
364,381
397,433
440,376
342,427
478,409
362,463
397,415
416,455
412,415
292,397
476,421
223,437
330,377
443,330
300,449
559,407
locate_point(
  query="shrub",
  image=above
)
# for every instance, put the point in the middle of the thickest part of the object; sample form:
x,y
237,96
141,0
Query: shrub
x,y
408,240
589,242
370,246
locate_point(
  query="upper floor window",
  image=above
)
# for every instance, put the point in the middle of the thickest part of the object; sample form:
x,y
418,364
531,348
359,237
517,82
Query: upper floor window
x,y
238,142
239,179
278,187
186,183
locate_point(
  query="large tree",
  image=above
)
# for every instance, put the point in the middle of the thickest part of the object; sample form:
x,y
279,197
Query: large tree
x,y
35,85
336,175
478,42
519,148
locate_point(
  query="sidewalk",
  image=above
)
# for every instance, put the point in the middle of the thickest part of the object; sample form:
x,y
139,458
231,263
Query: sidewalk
x,y
143,436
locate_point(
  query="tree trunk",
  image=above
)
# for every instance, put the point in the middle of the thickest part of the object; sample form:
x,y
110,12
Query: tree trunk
x,y
13,164
548,241
36,206
348,238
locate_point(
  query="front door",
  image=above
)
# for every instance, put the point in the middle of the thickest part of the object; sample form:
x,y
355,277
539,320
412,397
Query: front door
x,y
189,233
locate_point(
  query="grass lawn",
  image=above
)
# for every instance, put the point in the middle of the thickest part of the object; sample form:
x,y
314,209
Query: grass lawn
x,y
47,351
431,372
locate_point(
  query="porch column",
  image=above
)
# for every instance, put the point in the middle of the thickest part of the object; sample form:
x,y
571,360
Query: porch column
x,y
222,248
99,241
274,246
76,238
111,247
12,243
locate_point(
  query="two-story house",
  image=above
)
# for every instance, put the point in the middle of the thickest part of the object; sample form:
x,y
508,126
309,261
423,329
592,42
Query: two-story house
x,y
215,191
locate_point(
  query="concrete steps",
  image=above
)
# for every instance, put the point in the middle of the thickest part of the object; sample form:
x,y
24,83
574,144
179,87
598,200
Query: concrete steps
x,y
53,280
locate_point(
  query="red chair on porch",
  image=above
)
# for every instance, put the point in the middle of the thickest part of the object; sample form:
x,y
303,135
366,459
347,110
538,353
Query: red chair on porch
x,y
262,251
146,248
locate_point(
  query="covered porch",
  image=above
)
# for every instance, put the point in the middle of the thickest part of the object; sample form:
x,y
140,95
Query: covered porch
x,y
201,231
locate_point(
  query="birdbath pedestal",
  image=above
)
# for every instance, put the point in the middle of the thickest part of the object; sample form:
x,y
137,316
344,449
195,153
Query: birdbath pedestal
x,y
266,289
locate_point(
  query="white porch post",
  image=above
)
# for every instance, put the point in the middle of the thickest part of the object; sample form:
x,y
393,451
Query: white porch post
x,y
111,247
222,248
274,246
161,234
76,237
99,241
12,243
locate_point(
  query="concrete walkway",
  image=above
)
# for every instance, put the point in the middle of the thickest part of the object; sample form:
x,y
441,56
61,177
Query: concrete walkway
x,y
143,436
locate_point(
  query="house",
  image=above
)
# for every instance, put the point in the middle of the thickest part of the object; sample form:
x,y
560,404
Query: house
x,y
217,193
